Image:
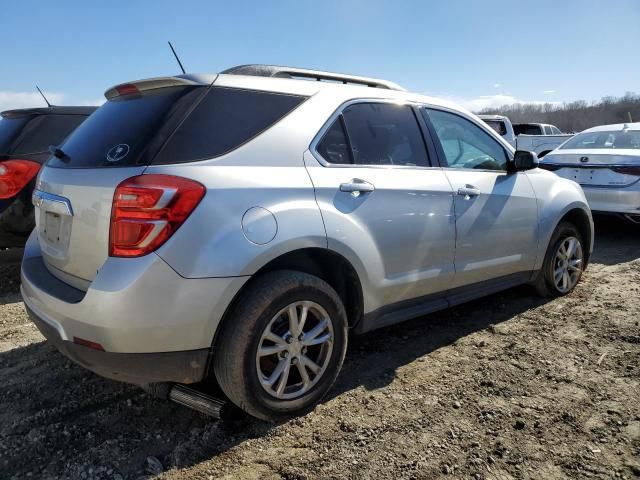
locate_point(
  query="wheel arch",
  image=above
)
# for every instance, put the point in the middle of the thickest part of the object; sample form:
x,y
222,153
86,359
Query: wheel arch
x,y
326,264
582,221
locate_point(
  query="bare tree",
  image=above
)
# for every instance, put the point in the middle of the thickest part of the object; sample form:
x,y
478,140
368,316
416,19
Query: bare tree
x,y
574,116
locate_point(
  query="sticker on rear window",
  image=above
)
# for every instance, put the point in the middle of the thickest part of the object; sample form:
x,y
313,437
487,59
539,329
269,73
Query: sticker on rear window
x,y
118,152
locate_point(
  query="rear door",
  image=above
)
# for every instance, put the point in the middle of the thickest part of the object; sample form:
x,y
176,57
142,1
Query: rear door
x,y
381,199
496,211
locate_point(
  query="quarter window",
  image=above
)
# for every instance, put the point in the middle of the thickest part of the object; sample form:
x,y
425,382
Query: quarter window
x,y
466,145
334,147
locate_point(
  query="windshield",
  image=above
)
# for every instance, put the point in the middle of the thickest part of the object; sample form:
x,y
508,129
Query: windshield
x,y
9,129
611,139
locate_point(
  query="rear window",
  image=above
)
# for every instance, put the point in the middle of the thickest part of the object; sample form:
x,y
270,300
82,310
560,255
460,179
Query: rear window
x,y
127,130
602,140
43,131
225,119
525,129
9,129
497,125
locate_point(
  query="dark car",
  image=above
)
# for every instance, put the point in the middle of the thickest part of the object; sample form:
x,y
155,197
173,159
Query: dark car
x,y
25,137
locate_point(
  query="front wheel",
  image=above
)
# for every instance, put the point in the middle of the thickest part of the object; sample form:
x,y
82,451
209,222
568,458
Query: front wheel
x,y
282,346
563,264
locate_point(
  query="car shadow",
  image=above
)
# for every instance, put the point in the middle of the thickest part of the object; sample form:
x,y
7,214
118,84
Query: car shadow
x,y
52,404
10,275
616,240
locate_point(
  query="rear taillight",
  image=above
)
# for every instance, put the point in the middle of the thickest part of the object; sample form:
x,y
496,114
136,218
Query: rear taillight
x,y
628,170
15,175
147,210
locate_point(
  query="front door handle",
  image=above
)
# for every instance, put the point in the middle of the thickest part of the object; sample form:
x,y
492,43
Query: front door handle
x,y
469,191
357,186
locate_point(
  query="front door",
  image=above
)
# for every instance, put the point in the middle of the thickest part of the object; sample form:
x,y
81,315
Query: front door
x,y
496,211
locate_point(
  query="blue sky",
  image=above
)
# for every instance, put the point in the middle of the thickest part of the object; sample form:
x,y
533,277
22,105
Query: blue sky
x,y
477,52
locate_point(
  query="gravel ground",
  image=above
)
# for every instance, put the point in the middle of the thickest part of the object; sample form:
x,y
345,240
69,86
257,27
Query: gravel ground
x,y
509,386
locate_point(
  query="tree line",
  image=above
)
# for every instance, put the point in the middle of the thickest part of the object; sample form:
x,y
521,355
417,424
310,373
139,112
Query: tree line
x,y
573,116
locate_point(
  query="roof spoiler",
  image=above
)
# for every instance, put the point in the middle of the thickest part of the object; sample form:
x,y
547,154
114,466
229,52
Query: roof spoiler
x,y
291,72
148,84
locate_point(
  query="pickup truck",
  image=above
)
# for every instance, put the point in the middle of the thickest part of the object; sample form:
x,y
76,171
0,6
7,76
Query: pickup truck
x,y
502,125
539,137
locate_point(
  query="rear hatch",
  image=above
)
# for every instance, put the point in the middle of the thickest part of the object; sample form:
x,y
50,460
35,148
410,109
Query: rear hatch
x,y
161,122
596,167
75,189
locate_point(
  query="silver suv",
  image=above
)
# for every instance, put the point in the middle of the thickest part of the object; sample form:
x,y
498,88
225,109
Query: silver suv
x,y
233,228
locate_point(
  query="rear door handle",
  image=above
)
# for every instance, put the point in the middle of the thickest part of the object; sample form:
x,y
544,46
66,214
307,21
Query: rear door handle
x,y
469,191
357,186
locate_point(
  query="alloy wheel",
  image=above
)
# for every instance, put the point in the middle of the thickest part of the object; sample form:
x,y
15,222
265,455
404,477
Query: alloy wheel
x,y
567,265
294,350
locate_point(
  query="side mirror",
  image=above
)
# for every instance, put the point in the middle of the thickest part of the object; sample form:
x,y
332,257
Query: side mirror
x,y
524,160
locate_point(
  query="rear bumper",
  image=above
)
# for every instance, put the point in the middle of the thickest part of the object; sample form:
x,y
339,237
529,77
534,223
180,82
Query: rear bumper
x,y
614,200
138,368
133,306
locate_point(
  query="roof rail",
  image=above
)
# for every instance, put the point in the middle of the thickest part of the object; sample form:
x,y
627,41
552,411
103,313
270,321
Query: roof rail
x,y
291,72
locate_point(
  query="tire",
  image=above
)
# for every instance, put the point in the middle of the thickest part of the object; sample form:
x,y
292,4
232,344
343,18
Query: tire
x,y
545,283
262,308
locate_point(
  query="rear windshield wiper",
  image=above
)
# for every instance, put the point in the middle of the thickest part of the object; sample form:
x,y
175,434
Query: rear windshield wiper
x,y
58,153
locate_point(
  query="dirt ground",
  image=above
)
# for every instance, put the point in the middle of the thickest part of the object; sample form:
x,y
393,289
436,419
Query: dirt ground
x,y
509,386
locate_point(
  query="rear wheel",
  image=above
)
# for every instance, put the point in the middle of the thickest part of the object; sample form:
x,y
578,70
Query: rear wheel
x,y
282,346
563,264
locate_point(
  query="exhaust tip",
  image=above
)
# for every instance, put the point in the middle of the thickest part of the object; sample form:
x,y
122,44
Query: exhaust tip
x,y
197,400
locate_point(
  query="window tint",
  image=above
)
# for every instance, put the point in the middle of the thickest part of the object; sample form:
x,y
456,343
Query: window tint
x,y
46,130
9,129
225,119
123,130
527,129
334,147
466,145
497,125
384,134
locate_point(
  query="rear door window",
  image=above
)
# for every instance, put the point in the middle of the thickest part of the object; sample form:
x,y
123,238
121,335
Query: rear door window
x,y
384,134
45,130
127,130
225,119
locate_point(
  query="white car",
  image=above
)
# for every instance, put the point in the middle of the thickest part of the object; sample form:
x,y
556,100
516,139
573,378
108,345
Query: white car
x,y
605,160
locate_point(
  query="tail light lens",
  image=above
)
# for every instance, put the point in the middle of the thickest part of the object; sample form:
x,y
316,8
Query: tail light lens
x,y
147,210
15,175
630,170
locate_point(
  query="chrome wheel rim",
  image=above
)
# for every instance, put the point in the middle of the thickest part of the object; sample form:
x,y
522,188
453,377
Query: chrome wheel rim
x,y
294,350
567,265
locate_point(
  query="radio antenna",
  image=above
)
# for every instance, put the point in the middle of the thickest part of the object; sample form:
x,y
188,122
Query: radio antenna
x,y
177,58
45,98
